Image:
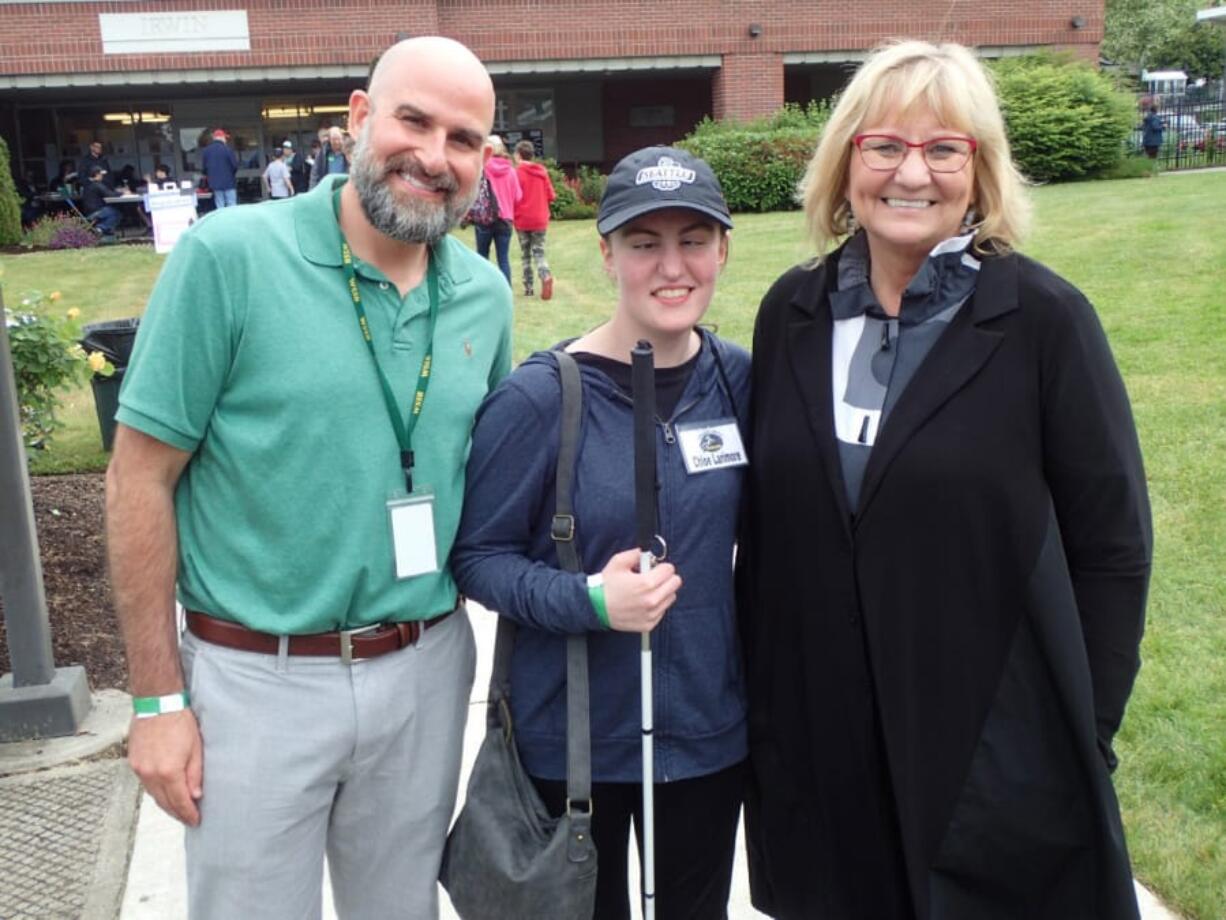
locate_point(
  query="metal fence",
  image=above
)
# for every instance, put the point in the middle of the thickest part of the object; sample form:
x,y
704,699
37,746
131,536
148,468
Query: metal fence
x,y
1195,134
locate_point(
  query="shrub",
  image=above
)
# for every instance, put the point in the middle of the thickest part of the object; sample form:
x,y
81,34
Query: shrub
x,y
73,237
47,228
760,163
47,359
590,184
1065,119
10,203
563,205
1132,167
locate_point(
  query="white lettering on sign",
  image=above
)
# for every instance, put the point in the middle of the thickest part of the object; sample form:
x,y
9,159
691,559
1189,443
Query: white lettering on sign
x,y
174,33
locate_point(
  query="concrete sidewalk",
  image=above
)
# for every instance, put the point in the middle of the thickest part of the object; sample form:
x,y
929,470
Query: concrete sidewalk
x,y
78,840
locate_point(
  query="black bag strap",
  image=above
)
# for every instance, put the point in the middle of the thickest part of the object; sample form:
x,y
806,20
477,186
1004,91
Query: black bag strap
x,y
562,530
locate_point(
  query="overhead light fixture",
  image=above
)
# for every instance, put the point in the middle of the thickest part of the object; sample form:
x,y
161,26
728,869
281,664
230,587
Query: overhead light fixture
x,y
1078,22
755,29
302,111
140,118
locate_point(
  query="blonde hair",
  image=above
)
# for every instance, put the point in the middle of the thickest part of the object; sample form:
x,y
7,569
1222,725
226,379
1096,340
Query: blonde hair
x,y
900,77
497,147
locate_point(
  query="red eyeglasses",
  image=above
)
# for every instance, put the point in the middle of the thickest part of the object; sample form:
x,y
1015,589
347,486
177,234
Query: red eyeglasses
x,y
885,152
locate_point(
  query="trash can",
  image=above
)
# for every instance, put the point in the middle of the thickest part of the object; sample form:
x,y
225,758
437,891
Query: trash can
x,y
114,339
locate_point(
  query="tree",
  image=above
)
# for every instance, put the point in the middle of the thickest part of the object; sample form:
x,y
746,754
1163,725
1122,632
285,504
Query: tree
x,y
1162,34
10,204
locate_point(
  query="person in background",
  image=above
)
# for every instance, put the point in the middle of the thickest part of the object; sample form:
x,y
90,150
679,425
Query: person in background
x,y
311,157
220,164
316,703
1152,129
126,181
276,179
943,572
91,159
332,159
93,202
299,168
31,207
664,248
66,177
532,219
493,214
161,175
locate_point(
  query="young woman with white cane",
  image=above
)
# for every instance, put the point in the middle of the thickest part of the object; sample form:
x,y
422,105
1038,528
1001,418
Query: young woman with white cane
x,y
663,223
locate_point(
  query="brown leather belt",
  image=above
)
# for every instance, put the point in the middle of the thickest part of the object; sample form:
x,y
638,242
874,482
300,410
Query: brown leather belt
x,y
346,644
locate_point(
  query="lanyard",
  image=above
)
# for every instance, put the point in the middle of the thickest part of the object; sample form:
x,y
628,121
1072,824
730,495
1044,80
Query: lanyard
x,y
404,433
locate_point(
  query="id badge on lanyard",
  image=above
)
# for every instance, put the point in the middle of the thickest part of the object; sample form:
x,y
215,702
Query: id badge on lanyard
x,y
410,516
711,445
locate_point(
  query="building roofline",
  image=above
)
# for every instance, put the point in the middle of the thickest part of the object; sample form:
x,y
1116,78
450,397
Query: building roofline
x,y
315,72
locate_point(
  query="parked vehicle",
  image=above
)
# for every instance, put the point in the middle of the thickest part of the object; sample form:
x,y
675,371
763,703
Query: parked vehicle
x,y
1183,130
1215,136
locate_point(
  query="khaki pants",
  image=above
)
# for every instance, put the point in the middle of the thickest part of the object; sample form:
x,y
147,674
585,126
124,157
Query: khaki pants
x,y
306,755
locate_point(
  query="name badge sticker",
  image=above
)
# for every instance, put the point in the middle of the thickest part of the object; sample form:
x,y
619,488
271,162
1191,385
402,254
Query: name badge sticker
x,y
712,445
412,522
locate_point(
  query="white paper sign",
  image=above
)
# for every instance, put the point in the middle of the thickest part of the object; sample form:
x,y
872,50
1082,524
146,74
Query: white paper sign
x,y
172,213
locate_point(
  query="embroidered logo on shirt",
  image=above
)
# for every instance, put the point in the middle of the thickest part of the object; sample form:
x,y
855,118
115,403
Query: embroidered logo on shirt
x,y
666,176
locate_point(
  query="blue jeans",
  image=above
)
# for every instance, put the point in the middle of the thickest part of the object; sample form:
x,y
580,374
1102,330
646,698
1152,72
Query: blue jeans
x,y
500,233
106,218
225,197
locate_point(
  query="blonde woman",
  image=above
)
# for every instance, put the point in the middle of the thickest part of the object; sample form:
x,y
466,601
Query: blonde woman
x,y
945,561
493,214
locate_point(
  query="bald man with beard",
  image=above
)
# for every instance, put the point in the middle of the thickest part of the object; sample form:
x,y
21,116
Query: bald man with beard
x,y
289,466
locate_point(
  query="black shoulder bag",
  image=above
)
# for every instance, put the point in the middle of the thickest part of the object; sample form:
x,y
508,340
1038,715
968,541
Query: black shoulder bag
x,y
506,857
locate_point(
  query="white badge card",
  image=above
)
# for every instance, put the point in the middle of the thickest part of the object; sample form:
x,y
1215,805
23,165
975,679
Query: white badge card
x,y
412,520
713,445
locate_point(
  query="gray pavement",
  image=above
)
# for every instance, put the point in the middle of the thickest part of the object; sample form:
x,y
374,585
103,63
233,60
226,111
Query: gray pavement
x,y
67,815
77,840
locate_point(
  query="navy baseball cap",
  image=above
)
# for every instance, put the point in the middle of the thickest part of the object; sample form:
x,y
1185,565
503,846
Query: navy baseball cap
x,y
656,178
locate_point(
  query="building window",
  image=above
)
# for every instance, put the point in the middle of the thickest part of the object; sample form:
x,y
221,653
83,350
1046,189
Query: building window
x,y
652,116
527,113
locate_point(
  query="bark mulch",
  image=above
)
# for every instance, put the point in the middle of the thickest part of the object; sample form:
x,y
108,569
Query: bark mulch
x,y
84,631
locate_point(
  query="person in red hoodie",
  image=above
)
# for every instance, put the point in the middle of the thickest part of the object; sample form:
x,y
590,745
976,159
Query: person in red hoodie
x,y
532,218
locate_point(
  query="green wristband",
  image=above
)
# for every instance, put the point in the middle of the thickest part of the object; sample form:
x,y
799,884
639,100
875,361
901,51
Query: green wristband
x,y
595,594
146,707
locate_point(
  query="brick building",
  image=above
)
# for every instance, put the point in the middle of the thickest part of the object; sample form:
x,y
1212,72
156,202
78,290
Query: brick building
x,y
589,80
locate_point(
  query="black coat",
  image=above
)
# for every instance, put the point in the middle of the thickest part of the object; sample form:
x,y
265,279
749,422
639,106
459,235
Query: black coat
x,y
935,680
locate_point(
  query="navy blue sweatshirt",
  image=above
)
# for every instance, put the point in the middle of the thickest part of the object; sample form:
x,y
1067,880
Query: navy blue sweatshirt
x,y
504,558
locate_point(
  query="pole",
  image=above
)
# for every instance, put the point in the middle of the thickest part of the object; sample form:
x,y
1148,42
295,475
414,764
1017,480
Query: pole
x,y
643,388
37,699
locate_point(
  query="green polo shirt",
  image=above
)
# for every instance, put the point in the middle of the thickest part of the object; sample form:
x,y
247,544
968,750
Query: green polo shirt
x,y
250,357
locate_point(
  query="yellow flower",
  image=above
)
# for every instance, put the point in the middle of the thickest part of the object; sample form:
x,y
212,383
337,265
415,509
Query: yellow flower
x,y
73,312
54,296
96,361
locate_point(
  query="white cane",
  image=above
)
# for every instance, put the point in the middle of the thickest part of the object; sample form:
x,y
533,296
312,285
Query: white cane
x,y
643,389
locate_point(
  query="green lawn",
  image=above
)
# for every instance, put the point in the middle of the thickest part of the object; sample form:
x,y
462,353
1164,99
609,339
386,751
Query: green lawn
x,y
1151,254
